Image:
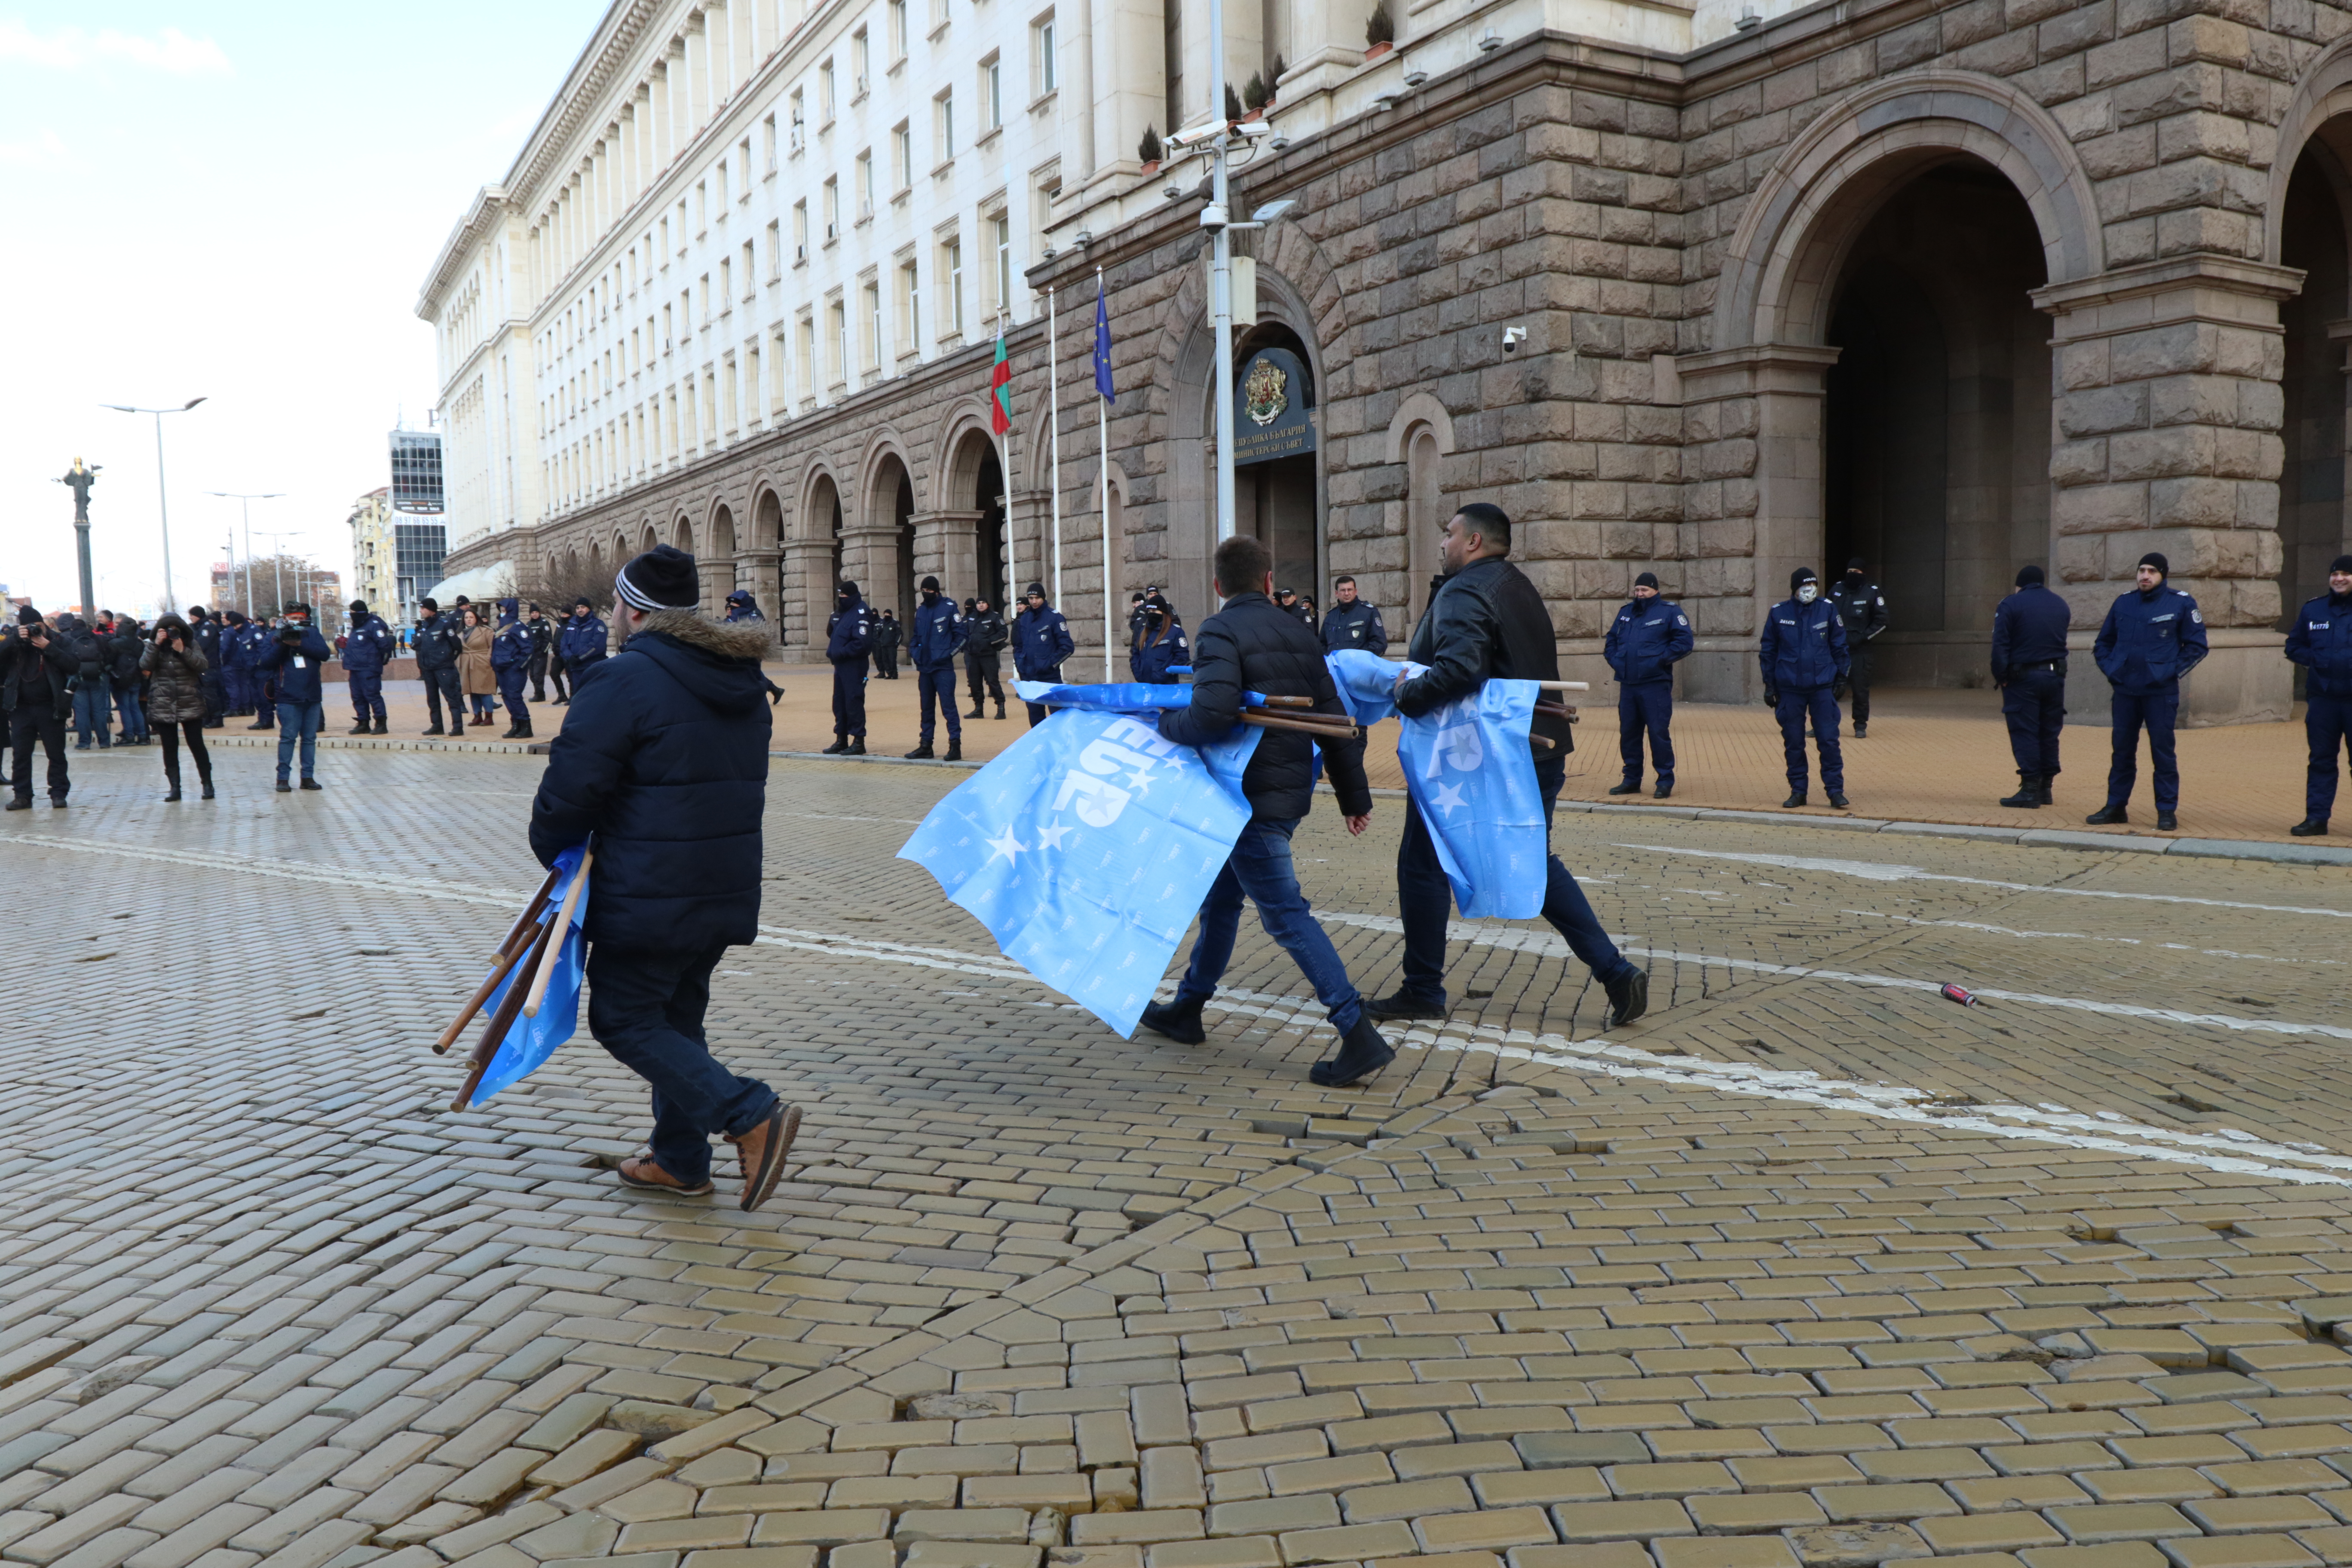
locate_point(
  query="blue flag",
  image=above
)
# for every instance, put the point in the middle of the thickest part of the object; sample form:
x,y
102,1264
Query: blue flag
x,y
1086,849
529,1042
1472,778
1102,343
1113,697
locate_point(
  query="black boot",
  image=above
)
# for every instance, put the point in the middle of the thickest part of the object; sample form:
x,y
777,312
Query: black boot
x,y
1629,998
1837,800
1362,1053
359,729
204,789
381,728
856,747
2029,790
1179,1021
1630,786
457,727
2309,827
1000,710
922,754
840,744
437,729
174,792
1662,791
1796,798
2106,816
975,712
514,733
955,751
2166,822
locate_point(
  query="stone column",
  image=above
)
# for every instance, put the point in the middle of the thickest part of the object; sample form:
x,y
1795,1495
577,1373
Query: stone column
x,y
806,595
1752,439
869,559
946,546
2168,410
762,572
1126,59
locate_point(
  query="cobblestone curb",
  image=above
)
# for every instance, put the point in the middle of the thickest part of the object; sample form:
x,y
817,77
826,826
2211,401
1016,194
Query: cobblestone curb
x,y
387,743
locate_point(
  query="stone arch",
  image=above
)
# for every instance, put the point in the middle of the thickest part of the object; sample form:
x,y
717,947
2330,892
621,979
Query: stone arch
x,y
722,530
1418,408
767,518
2322,93
682,534
648,536
887,552
1419,438
956,458
1784,257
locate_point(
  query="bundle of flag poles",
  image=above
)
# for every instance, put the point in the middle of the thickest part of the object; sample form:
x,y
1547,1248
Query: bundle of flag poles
x,y
540,959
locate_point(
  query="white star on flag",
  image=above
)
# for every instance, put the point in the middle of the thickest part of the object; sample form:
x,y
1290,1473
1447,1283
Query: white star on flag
x,y
1448,797
1005,844
1050,835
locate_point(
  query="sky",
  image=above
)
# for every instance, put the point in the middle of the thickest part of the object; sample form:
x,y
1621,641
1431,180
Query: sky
x,y
237,201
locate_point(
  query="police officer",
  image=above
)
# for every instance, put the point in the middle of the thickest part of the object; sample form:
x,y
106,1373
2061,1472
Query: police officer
x,y
1863,607
2152,636
1294,608
1158,647
204,629
934,638
368,646
742,607
887,635
2321,643
1353,622
1803,653
1041,643
849,638
1650,636
267,682
2028,665
542,645
237,664
510,662
436,641
582,644
983,643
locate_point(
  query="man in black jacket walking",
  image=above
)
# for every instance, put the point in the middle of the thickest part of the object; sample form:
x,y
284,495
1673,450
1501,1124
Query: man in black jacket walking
x,y
1251,645
663,759
1487,621
37,672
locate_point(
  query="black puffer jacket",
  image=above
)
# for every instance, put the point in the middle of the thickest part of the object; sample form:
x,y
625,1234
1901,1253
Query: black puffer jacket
x,y
176,684
664,757
1486,620
1252,645
32,678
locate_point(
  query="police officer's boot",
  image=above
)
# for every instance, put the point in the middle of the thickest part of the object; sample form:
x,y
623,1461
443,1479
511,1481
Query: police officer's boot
x,y
840,744
999,709
2309,827
856,747
955,750
975,712
359,728
436,729
2107,815
1626,786
457,724
382,728
1362,1053
1796,798
2029,790
922,754
2042,786
1179,1021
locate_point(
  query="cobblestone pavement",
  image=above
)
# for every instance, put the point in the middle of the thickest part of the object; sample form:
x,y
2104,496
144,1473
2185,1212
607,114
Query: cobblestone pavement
x,y
1811,1268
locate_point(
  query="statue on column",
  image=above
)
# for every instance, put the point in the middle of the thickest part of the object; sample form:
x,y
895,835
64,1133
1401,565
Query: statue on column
x,y
79,479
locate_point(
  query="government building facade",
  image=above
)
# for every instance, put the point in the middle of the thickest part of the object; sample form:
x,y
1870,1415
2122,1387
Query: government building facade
x,y
1716,290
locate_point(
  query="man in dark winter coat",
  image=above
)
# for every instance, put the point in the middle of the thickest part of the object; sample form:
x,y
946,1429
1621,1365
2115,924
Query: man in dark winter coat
x,y
2321,643
37,674
1860,604
662,769
1353,622
542,648
742,607
1805,663
125,641
238,654
205,632
1040,644
437,642
93,710
2153,635
849,638
982,650
296,655
933,641
368,646
1251,646
887,634
1487,622
2028,665
1649,638
510,663
583,642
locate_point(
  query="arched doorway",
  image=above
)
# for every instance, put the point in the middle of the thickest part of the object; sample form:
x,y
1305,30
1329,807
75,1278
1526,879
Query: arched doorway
x,y
1276,498
987,499
824,525
2316,234
902,510
1935,438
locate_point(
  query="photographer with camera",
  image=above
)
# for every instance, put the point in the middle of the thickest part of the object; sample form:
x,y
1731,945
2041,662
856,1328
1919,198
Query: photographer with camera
x,y
36,676
173,662
295,654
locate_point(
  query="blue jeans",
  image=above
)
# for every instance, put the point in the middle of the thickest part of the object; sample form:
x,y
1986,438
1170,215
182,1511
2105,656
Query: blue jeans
x,y
1819,704
2156,714
298,722
135,715
937,684
1260,870
645,1008
92,712
1426,899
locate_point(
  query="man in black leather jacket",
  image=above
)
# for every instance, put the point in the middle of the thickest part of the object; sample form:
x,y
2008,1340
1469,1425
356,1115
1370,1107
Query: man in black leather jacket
x,y
1251,645
1486,620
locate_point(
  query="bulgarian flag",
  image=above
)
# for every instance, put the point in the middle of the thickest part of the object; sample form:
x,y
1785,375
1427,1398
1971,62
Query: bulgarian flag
x,y
1000,389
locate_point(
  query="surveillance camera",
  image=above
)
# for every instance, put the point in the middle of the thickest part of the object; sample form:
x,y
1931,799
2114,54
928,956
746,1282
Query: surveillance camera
x,y
1512,338
1254,127
1195,136
1213,217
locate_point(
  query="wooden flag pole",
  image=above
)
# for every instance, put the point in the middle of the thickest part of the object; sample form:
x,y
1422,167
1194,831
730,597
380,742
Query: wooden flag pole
x,y
511,947
563,925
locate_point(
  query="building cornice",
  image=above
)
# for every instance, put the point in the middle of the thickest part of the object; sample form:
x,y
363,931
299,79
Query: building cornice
x,y
489,203
616,39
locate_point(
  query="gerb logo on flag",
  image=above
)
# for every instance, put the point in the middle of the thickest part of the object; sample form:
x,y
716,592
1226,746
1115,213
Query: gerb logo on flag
x,y
1000,389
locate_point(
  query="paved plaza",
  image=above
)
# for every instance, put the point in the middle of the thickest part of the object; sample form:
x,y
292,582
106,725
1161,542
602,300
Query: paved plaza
x,y
1812,1268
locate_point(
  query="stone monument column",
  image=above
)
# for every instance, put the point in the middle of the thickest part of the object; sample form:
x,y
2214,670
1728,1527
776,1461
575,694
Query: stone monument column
x,y
2168,408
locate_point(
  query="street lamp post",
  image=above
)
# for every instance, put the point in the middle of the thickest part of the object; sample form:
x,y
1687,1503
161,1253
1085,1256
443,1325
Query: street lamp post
x,y
277,564
163,507
245,500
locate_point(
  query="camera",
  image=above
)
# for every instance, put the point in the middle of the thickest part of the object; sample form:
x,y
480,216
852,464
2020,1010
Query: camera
x,y
1512,338
289,634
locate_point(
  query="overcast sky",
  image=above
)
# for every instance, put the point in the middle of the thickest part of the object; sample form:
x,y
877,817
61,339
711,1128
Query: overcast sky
x,y
236,201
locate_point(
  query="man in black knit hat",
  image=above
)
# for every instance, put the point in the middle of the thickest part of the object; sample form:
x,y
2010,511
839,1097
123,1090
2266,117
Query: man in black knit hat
x,y
2153,636
849,638
2028,665
662,767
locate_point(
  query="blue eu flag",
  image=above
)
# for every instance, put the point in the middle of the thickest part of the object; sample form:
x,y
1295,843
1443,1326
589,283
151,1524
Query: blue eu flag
x,y
1102,343
1086,848
1473,780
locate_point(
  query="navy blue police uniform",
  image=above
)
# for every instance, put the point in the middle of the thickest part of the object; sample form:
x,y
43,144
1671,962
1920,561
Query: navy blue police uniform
x,y
510,663
934,637
849,638
1805,658
1644,643
2028,665
368,646
1355,625
1040,644
2148,641
437,642
2321,643
205,628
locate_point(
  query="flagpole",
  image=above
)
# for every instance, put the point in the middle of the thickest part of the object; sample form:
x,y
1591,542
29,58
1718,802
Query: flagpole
x,y
1054,438
1102,455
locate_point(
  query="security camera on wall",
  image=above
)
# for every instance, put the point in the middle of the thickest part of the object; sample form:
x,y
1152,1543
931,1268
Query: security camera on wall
x,y
1512,338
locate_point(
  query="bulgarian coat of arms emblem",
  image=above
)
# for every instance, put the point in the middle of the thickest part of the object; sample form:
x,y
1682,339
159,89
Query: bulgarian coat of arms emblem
x,y
1265,390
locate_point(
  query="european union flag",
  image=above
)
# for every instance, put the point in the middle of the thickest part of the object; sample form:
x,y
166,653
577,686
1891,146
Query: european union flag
x,y
1086,849
1472,778
1102,343
529,1042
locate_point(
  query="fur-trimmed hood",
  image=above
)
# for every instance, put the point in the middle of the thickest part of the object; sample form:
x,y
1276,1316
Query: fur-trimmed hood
x,y
737,639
